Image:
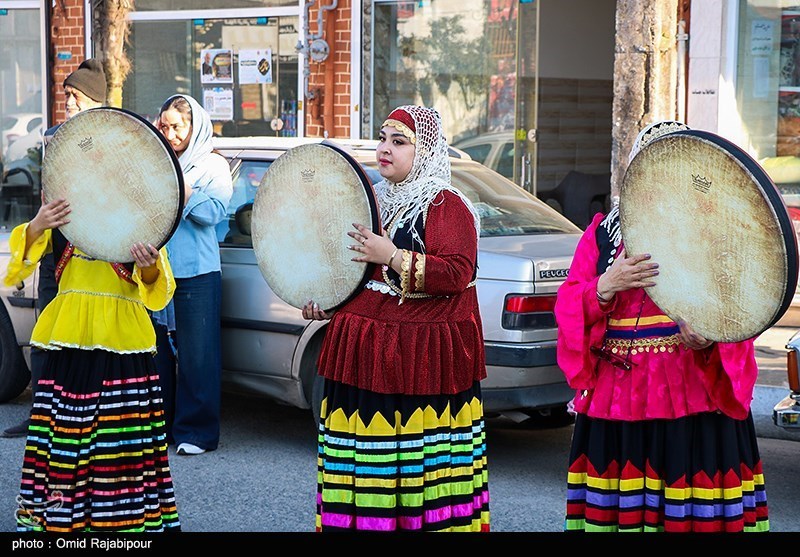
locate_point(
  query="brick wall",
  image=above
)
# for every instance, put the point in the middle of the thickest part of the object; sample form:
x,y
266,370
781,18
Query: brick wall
x,y
339,56
67,35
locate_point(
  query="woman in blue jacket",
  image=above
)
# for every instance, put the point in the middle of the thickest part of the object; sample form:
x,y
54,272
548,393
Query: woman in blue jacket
x,y
194,254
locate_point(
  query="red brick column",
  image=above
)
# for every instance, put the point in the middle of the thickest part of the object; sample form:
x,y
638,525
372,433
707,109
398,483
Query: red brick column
x,y
67,35
339,56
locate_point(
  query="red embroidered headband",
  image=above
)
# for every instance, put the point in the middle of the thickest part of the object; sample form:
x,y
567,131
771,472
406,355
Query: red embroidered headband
x,y
403,122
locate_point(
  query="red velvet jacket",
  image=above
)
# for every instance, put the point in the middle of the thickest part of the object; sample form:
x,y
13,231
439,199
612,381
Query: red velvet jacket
x,y
426,345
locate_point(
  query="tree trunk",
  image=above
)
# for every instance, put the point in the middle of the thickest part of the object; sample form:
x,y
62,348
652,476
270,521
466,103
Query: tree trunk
x,y
110,27
645,74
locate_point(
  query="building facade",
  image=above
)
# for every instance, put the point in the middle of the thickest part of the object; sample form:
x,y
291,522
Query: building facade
x,y
525,86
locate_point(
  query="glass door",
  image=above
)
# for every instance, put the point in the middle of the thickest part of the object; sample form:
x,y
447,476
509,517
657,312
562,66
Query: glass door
x,y
527,105
564,98
22,117
20,74
243,71
459,56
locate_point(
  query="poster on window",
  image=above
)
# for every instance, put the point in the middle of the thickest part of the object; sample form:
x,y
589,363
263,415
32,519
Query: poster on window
x,y
255,66
218,102
790,49
788,131
216,65
761,33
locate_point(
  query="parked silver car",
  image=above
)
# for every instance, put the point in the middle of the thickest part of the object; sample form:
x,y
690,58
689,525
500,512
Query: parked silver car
x,y
14,126
525,251
493,149
786,413
269,350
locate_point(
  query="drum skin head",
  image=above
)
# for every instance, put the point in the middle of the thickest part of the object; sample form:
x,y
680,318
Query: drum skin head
x,y
717,226
306,203
121,178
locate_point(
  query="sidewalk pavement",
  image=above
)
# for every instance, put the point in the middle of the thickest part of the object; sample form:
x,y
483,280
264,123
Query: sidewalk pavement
x,y
772,385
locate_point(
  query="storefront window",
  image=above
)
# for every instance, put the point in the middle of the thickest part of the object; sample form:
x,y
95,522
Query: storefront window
x,y
788,131
21,118
243,71
768,92
446,54
170,5
768,81
525,88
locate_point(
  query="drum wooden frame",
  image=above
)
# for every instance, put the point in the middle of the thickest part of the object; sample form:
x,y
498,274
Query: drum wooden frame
x,y
122,179
713,220
307,201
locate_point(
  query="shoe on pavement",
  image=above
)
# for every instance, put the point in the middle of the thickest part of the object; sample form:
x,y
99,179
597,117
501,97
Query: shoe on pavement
x,y
189,449
19,430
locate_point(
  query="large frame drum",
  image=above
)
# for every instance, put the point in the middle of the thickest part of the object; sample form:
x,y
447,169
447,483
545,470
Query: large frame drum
x,y
121,178
306,203
715,223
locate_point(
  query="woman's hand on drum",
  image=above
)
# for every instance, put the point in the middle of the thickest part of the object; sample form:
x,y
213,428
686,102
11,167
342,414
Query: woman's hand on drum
x,y
145,258
373,248
311,310
691,339
144,255
626,273
50,215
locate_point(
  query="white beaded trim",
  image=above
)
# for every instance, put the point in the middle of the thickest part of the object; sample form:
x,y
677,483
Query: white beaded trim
x,y
381,287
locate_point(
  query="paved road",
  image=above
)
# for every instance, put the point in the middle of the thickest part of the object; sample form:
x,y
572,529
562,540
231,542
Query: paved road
x,y
262,478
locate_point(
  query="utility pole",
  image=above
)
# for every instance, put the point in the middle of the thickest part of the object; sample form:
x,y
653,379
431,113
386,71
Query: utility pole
x,y
645,74
110,27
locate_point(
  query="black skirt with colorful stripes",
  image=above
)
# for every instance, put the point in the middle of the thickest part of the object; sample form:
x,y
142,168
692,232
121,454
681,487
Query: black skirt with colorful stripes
x,y
700,473
96,454
401,462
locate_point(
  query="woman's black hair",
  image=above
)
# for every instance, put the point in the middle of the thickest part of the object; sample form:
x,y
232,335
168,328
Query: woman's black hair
x,y
180,104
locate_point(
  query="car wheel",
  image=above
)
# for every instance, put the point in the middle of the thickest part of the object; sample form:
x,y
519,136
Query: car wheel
x,y
316,398
312,382
14,373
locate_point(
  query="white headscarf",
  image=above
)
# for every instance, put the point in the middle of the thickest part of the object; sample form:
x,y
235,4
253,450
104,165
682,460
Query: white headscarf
x,y
654,131
429,175
200,140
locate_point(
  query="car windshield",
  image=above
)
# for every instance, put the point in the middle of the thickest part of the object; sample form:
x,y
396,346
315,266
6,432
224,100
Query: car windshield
x,y
505,208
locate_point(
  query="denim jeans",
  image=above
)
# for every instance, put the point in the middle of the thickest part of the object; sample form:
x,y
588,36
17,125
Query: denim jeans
x,y
166,365
198,338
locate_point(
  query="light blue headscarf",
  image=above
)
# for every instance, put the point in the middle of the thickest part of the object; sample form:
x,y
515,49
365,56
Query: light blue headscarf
x,y
202,131
199,146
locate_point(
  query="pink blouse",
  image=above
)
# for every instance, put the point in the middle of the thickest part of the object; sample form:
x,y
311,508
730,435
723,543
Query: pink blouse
x,y
666,379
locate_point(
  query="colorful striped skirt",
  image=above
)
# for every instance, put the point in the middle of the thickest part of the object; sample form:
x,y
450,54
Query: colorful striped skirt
x,y
96,454
700,473
401,462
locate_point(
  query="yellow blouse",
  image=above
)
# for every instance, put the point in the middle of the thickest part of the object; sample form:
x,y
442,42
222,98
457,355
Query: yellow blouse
x,y
94,307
